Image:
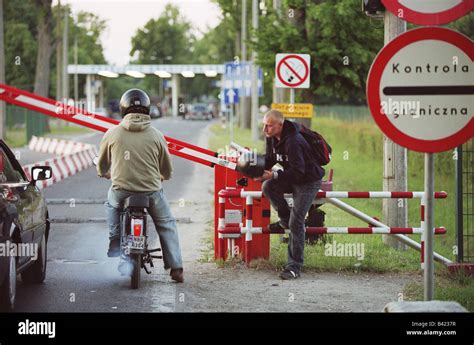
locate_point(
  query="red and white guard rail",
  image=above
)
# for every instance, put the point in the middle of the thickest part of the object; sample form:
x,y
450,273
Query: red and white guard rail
x,y
80,116
232,231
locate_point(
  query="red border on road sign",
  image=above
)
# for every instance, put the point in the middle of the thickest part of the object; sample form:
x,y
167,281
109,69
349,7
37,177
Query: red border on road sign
x,y
373,89
422,18
302,79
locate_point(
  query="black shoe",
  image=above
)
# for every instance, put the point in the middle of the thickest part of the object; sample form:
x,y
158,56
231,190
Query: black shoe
x,y
114,248
276,228
177,275
288,274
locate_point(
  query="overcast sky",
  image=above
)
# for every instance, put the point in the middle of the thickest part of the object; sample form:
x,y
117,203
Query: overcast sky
x,y
124,17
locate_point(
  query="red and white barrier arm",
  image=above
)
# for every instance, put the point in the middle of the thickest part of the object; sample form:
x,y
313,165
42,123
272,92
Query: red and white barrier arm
x,y
376,195
336,230
81,117
240,193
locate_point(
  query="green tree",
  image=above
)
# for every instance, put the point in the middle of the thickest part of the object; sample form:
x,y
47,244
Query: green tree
x,y
341,40
464,25
215,47
20,43
164,40
86,29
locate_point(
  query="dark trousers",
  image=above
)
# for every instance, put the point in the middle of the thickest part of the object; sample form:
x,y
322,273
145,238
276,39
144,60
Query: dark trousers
x,y
294,217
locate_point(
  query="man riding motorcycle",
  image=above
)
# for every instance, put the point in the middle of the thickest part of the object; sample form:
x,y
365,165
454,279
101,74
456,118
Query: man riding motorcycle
x,y
134,155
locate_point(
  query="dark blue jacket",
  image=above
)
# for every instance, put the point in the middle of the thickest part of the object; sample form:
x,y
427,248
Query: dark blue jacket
x,y
292,152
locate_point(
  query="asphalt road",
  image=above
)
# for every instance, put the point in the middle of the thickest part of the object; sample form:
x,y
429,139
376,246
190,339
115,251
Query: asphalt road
x,y
80,277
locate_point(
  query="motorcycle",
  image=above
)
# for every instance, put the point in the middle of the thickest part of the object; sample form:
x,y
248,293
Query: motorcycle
x,y
134,251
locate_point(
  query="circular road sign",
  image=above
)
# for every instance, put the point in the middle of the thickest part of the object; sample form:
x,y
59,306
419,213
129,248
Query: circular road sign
x,y
420,89
429,12
292,70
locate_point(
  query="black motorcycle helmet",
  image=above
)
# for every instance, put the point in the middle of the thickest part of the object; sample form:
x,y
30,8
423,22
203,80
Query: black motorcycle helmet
x,y
134,101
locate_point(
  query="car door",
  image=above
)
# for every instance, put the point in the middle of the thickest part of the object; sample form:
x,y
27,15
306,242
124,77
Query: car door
x,y
37,203
14,189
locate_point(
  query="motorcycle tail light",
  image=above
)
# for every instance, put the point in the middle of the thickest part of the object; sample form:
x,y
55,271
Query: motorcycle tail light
x,y
137,226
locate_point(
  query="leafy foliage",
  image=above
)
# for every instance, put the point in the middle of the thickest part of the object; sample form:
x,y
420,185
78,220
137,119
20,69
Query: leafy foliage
x,y
21,45
341,40
165,39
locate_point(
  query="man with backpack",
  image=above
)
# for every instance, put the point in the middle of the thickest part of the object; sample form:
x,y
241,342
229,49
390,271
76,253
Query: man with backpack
x,y
301,175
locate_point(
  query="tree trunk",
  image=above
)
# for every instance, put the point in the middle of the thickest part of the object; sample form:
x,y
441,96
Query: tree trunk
x,y
45,17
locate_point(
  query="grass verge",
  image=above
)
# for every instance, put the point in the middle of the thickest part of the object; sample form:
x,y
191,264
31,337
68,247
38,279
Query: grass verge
x,y
16,137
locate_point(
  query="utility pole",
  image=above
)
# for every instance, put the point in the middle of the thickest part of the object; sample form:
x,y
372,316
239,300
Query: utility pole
x,y
59,69
395,211
254,118
278,92
243,99
65,83
3,115
76,79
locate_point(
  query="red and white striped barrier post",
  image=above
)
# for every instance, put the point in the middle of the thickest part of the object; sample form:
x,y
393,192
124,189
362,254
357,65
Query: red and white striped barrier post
x,y
422,226
221,224
231,230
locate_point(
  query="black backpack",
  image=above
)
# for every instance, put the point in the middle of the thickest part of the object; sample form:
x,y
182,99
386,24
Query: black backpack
x,y
320,148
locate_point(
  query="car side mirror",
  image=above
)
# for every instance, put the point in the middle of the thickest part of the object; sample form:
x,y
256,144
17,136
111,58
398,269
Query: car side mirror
x,y
41,173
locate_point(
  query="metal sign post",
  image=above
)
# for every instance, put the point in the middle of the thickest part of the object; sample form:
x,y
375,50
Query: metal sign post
x,y
231,124
231,97
427,231
292,96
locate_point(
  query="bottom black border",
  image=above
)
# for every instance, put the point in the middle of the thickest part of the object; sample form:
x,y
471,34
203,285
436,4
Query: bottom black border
x,y
241,328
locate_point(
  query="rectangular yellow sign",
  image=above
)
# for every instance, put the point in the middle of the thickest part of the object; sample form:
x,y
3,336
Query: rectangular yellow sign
x,y
304,110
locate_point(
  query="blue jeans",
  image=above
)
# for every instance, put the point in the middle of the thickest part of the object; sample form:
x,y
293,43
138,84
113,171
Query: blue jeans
x,y
160,212
303,196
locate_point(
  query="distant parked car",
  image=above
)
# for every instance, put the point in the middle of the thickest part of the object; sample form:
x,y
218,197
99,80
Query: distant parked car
x,y
199,111
24,226
155,112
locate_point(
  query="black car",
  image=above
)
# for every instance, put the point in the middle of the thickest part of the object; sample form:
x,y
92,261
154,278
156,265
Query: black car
x,y
24,226
199,111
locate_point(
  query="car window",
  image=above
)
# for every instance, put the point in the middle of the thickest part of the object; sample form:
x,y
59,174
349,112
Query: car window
x,y
200,108
8,174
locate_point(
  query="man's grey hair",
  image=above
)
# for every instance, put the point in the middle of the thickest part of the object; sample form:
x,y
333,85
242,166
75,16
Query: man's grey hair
x,y
276,115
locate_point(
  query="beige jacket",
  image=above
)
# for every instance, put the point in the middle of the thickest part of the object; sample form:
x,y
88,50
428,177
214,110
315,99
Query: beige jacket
x,y
135,154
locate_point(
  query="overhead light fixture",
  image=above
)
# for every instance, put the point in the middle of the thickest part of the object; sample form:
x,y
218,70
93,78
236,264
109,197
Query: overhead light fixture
x,y
188,74
135,74
108,74
163,74
210,74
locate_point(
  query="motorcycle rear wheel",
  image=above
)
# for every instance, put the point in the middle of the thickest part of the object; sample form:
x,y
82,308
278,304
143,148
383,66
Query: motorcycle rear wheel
x,y
136,260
